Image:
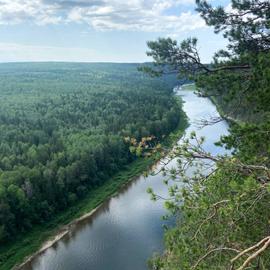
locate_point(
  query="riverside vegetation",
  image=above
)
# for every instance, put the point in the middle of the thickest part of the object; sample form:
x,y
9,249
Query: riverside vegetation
x,y
222,209
71,135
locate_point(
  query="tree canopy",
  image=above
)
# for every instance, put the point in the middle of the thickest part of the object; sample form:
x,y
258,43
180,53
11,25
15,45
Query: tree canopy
x,y
224,216
63,129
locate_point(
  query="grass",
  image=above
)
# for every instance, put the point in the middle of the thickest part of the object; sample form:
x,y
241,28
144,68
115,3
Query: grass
x,y
189,87
28,243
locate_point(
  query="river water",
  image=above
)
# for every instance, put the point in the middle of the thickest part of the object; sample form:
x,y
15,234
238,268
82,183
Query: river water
x,y
127,229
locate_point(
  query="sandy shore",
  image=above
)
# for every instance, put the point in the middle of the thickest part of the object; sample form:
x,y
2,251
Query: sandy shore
x,y
62,233
66,229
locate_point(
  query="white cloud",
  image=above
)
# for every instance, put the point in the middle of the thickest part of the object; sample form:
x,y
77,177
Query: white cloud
x,y
19,52
131,15
17,11
10,52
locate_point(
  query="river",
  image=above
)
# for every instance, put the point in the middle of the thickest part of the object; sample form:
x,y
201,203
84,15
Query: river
x,y
127,229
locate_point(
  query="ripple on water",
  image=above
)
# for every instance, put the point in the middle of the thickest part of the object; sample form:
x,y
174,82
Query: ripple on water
x,y
127,229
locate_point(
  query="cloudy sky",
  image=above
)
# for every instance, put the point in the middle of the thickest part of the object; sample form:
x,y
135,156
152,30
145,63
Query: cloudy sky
x,y
97,30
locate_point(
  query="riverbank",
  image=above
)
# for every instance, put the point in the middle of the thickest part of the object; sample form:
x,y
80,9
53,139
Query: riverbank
x,y
36,241
178,239
229,119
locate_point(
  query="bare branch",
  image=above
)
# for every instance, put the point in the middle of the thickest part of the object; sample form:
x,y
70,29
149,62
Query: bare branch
x,y
263,244
210,252
215,206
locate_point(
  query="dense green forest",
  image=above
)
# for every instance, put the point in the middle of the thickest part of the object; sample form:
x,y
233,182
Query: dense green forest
x,y
63,130
223,215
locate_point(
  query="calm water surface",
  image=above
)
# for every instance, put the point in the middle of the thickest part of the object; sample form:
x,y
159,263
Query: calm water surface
x,y
127,230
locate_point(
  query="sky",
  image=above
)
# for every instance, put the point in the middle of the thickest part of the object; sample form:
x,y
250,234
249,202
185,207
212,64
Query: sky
x,y
98,30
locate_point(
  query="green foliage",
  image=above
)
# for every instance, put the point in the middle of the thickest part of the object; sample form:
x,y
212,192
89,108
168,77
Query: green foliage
x,y
236,223
62,129
14,252
225,211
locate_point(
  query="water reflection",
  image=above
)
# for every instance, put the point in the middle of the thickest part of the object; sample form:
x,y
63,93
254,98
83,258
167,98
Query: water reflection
x,y
127,229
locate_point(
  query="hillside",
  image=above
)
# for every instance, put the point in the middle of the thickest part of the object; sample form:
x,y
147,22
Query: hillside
x,y
63,130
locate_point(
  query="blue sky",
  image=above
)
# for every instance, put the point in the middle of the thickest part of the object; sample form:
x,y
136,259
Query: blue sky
x,y
98,30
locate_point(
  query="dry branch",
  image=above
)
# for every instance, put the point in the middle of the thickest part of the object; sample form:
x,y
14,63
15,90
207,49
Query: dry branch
x,y
210,252
262,245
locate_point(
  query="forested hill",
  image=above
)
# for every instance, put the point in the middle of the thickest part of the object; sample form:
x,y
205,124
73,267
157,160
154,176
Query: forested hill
x,y
62,130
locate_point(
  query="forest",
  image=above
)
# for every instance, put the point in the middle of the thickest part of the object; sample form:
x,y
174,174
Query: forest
x,y
223,214
64,130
